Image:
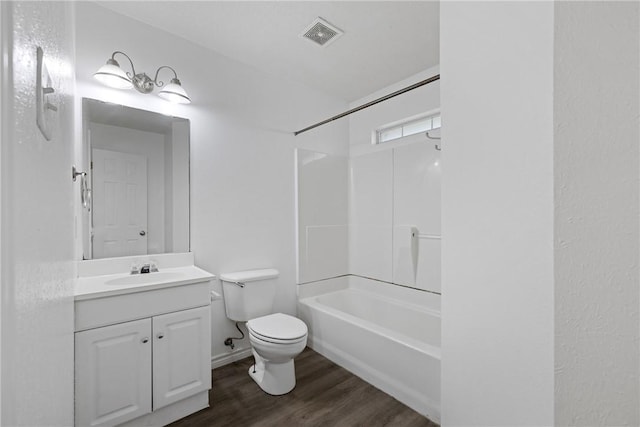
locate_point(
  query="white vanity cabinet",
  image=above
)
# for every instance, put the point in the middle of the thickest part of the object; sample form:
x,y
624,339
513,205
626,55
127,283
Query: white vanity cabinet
x,y
113,373
181,355
142,358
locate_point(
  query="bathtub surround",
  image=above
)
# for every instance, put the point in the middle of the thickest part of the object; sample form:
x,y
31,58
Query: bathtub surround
x,y
371,231
394,192
364,210
322,231
38,266
394,212
540,206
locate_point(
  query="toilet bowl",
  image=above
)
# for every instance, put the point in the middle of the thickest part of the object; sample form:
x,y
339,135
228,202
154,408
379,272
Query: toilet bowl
x,y
276,339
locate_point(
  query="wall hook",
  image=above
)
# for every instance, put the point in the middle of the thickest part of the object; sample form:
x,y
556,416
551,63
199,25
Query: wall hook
x,y
432,137
75,173
435,138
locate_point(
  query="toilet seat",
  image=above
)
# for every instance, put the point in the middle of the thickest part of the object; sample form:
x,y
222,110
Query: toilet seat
x,y
258,339
278,328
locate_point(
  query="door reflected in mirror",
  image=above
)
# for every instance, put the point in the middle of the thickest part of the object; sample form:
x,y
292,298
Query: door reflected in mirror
x,y
138,178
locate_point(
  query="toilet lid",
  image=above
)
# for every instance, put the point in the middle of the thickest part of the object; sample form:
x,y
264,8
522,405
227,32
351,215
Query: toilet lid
x,y
279,326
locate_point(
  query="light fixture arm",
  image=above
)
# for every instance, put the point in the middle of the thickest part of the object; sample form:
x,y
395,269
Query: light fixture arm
x,y
160,83
112,75
133,69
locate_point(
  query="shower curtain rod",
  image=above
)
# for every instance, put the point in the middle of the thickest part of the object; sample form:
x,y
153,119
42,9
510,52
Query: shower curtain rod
x,y
371,103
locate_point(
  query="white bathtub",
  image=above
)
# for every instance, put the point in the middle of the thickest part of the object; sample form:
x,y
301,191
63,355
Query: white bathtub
x,y
386,334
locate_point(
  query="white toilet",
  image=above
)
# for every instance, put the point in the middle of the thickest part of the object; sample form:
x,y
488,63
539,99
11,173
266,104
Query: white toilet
x,y
275,338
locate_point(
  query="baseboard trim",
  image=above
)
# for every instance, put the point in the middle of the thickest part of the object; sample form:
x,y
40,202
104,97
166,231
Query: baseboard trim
x,y
224,359
174,412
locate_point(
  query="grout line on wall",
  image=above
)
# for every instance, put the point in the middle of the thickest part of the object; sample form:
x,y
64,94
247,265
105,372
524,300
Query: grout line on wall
x,y
396,284
326,278
393,217
371,278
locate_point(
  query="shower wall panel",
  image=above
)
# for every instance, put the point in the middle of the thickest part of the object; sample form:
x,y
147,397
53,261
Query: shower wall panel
x,y
322,215
371,215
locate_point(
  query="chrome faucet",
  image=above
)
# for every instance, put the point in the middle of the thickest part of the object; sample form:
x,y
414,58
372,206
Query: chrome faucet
x,y
144,268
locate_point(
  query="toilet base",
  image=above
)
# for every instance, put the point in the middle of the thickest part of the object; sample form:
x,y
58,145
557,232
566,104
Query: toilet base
x,y
273,378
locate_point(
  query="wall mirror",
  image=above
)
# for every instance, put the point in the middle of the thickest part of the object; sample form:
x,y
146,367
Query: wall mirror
x,y
137,184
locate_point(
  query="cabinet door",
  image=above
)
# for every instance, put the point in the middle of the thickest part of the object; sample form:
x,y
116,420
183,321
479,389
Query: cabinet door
x,y
181,355
113,373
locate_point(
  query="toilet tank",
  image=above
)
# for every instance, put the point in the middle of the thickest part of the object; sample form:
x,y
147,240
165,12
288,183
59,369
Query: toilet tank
x,y
249,294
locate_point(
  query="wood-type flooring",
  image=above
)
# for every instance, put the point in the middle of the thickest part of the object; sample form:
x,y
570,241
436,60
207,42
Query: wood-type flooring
x,y
326,395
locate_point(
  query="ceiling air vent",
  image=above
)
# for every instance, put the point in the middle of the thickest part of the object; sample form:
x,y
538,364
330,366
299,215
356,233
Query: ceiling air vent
x,y
321,32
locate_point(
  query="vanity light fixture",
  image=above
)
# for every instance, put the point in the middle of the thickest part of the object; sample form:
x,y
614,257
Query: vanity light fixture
x,y
113,76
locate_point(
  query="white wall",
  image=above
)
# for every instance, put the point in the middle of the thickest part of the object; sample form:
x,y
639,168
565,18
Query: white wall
x,y
37,220
152,146
540,205
497,213
242,147
596,163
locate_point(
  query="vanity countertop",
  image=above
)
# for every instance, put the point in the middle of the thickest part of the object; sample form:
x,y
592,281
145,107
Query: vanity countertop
x,y
118,284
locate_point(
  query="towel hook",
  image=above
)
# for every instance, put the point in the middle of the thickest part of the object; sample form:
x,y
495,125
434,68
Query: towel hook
x,y
75,173
436,138
432,137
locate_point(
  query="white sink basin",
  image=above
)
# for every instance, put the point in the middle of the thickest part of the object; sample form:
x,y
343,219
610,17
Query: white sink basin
x,y
139,279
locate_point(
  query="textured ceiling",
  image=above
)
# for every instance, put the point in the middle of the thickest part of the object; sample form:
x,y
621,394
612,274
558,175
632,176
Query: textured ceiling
x,y
383,41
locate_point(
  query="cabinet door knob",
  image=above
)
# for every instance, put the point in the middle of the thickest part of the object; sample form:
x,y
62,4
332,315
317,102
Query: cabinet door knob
x,y
160,335
144,340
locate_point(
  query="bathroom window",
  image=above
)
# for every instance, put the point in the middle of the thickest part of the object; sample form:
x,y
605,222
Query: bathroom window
x,y
406,128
